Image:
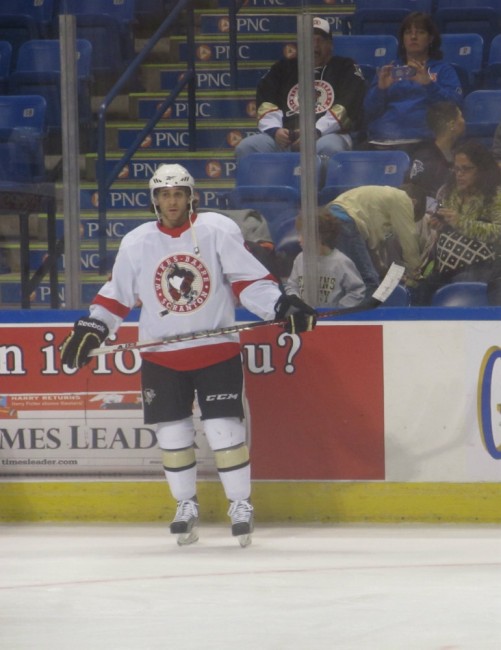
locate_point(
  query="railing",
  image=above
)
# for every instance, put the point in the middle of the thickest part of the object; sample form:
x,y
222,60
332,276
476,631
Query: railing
x,y
234,8
105,180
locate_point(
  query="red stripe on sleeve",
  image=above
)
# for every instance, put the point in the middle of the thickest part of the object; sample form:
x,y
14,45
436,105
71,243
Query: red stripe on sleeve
x,y
111,305
238,287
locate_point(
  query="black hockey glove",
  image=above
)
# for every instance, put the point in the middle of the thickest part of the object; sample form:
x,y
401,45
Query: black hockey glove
x,y
88,333
300,317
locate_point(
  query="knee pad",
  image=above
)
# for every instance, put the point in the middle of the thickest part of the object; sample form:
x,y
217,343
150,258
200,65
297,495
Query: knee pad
x,y
179,434
228,460
178,460
224,433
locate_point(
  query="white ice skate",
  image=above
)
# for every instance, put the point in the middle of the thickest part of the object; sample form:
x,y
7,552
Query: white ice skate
x,y
185,523
242,521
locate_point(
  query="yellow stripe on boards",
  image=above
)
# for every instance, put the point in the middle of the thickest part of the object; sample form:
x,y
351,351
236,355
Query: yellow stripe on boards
x,y
282,501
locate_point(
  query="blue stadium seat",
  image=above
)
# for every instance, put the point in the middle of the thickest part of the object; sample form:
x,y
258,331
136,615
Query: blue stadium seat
x,y
22,138
492,70
121,11
38,72
461,294
369,51
17,29
348,169
374,21
383,16
41,11
5,66
271,184
467,4
108,26
482,114
410,5
400,297
469,16
466,53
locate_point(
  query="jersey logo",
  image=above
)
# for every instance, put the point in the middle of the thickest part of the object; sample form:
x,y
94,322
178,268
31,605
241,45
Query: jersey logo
x,y
182,283
417,168
324,98
149,395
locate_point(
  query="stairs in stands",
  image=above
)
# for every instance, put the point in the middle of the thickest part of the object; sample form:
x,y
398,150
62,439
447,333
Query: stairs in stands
x,y
266,32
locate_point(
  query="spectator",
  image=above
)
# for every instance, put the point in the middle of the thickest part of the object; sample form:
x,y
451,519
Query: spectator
x,y
396,102
432,160
339,282
339,87
467,221
379,227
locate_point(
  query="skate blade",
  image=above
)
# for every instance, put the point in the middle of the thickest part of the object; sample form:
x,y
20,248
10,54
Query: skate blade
x,y
184,539
245,540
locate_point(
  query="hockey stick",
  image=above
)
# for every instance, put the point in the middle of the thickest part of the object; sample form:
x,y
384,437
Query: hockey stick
x,y
385,289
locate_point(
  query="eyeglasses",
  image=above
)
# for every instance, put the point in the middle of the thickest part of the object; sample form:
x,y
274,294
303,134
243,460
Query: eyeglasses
x,y
464,169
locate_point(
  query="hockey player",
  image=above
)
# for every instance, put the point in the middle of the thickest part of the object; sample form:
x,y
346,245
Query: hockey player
x,y
188,270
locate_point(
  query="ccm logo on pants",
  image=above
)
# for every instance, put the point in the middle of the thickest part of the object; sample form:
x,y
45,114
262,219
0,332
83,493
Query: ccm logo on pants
x,y
221,397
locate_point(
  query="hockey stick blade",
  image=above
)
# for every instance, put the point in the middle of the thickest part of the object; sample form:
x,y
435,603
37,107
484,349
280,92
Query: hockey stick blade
x,y
383,291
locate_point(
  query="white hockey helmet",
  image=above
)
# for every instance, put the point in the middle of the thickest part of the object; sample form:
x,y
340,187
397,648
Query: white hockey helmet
x,y
171,176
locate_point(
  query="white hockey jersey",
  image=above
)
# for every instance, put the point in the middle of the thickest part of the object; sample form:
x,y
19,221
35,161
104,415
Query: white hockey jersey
x,y
186,279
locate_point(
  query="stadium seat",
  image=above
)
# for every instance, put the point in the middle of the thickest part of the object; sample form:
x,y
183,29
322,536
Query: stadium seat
x,y
22,138
108,26
41,11
374,21
383,17
466,53
492,70
369,51
466,4
481,17
410,5
461,294
348,169
400,297
5,66
17,29
38,72
271,184
122,11
482,114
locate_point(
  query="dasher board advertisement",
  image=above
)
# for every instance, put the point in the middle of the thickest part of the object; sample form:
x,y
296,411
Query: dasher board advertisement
x,y
351,401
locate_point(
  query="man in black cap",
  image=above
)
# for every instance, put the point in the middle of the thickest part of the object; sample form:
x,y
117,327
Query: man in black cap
x,y
339,89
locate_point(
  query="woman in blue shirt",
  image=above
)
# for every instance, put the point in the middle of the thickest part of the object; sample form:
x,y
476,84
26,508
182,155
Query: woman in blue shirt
x,y
399,96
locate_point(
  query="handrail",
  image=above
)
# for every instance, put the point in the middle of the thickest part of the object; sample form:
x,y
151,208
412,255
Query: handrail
x,y
105,181
233,9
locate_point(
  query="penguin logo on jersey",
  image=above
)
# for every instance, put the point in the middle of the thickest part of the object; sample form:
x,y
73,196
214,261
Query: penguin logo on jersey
x,y
182,283
324,98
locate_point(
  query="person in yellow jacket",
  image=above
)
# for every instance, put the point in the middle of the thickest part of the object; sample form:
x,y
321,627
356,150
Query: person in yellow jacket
x,y
379,227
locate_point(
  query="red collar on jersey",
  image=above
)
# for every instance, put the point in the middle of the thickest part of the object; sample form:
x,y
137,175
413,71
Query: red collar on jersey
x,y
177,232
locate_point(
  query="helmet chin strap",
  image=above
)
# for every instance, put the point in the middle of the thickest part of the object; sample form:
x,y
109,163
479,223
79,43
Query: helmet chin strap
x,y
194,239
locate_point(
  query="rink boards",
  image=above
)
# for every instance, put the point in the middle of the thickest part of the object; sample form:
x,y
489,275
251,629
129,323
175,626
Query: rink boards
x,y
383,418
